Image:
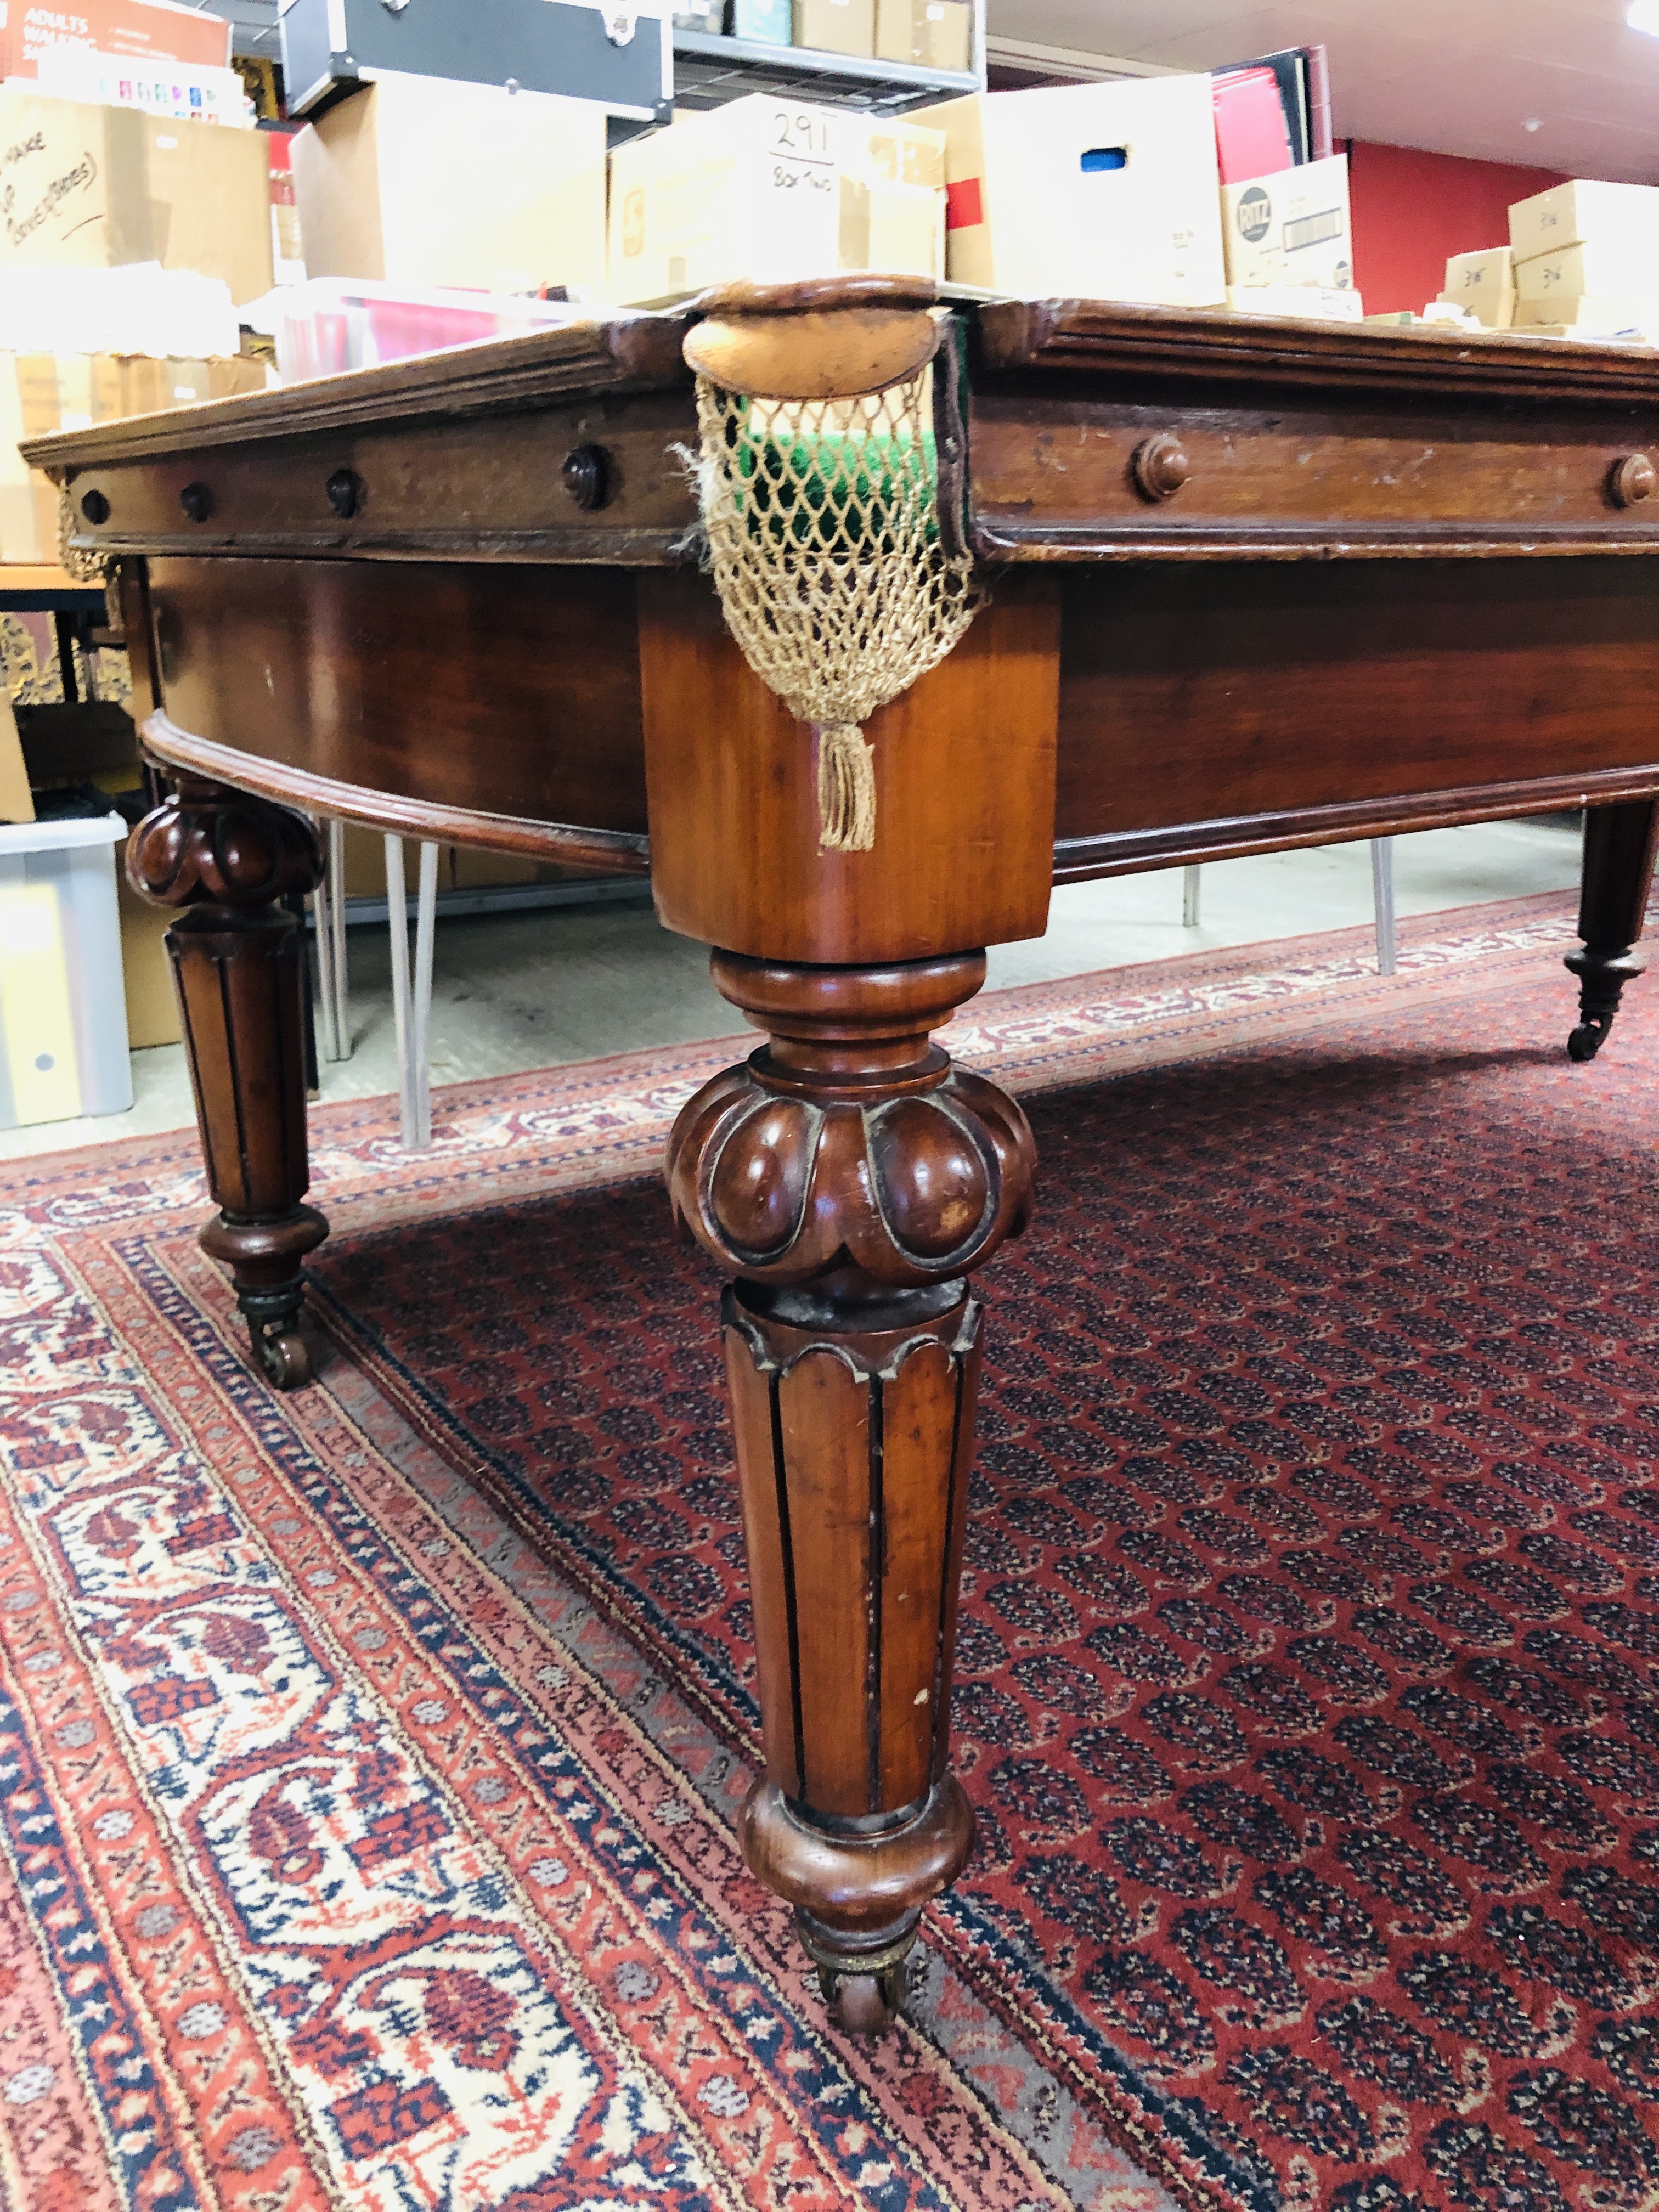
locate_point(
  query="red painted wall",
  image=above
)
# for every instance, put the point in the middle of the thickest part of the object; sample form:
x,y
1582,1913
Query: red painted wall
x,y
1412,210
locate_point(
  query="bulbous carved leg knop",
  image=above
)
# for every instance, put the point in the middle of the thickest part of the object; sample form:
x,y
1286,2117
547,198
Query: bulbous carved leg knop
x,y
224,859
854,1180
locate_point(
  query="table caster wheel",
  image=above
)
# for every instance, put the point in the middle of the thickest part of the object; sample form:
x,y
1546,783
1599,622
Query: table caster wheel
x,y
864,2004
1587,1038
284,1357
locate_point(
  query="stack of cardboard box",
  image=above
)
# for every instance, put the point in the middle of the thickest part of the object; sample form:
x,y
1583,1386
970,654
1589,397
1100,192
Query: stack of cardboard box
x,y
774,190
1586,260
1583,261
1104,192
936,35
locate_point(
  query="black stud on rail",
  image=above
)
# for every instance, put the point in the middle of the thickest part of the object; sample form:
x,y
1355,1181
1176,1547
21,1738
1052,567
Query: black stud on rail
x,y
586,476
344,491
197,500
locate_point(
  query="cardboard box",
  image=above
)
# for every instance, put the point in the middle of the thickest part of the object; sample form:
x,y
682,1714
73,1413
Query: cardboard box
x,y
1093,192
931,34
1608,269
775,190
149,30
41,392
188,92
421,180
837,26
1291,228
16,801
89,187
766,22
146,971
1594,315
1569,214
1303,302
1484,283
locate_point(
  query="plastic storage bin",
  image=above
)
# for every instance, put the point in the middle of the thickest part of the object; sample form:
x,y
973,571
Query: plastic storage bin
x,y
63,1006
330,324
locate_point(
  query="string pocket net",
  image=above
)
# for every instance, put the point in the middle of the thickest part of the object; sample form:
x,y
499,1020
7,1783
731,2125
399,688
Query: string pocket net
x,y
822,524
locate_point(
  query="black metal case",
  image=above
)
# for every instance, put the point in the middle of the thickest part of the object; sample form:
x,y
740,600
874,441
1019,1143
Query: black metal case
x,y
622,57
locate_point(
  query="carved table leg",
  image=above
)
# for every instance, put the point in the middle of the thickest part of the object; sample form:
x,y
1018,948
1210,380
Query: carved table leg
x,y
1618,855
854,1179
225,860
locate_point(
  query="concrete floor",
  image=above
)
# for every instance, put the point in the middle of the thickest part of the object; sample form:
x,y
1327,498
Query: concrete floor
x,y
518,991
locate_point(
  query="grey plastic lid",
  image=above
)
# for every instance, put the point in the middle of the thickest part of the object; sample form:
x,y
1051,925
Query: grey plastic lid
x,y
61,836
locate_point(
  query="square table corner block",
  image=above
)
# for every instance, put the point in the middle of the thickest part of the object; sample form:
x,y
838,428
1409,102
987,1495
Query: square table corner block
x,y
964,764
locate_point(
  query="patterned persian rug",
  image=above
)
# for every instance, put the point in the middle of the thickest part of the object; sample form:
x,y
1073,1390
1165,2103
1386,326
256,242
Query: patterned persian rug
x,y
367,1758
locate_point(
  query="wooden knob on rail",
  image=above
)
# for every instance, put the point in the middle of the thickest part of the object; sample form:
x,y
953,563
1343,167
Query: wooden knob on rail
x,y
1160,466
1630,480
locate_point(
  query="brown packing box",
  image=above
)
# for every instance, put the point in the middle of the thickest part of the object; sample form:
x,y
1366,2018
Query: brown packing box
x,y
42,392
17,801
28,500
152,1007
87,187
775,190
930,33
837,26
420,180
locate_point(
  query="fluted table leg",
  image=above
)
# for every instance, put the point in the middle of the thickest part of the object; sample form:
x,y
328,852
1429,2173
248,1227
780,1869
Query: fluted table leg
x,y
854,1179
225,860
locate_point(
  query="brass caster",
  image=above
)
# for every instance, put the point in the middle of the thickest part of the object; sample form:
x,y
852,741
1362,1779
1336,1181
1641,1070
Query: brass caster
x,y
282,1354
864,2004
864,1979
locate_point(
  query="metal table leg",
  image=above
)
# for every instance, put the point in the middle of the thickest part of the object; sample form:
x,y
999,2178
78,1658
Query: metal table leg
x,y
1383,895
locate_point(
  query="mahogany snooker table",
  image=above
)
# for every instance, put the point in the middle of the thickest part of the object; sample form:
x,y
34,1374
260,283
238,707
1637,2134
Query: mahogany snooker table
x,y
1251,585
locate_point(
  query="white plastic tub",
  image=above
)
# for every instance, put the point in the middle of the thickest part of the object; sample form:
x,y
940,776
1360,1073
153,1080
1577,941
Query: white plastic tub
x,y
63,1005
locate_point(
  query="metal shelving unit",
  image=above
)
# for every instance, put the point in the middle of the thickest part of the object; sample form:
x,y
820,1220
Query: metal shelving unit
x,y
709,69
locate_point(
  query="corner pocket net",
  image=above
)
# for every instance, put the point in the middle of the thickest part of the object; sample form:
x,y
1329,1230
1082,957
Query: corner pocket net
x,y
822,523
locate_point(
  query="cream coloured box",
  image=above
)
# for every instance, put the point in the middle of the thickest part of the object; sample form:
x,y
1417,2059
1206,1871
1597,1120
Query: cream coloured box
x,y
1581,208
1291,228
1094,191
418,180
774,191
1598,268
1594,315
1303,302
1484,283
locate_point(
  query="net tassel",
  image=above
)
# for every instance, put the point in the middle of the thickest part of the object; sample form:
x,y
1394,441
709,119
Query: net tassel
x,y
847,789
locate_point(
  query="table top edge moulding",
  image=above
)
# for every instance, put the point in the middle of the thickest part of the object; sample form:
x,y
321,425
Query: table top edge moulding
x,y
1275,440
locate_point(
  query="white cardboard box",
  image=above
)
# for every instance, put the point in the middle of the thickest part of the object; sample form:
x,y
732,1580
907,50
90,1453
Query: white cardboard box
x,y
1484,283
775,191
1293,228
420,180
1103,192
1303,302
1600,268
1599,315
1569,214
